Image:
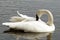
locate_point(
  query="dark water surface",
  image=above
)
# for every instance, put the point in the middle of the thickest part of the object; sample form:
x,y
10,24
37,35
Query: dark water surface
x,y
8,8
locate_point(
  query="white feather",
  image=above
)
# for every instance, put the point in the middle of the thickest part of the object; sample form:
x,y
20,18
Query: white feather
x,y
34,26
21,18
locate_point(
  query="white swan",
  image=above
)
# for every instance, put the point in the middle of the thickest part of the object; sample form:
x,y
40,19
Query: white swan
x,y
34,26
21,18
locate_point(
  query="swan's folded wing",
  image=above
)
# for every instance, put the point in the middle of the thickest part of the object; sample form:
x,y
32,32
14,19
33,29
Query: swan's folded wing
x,y
21,18
21,15
26,17
16,19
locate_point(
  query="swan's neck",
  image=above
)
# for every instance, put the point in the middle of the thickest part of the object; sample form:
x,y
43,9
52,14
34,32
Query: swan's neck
x,y
50,16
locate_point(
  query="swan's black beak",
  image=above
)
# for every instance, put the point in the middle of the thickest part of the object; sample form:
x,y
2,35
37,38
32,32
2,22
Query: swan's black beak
x,y
37,17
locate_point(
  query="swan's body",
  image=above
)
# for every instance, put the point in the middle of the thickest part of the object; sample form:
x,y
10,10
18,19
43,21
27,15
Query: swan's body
x,y
31,26
21,18
34,26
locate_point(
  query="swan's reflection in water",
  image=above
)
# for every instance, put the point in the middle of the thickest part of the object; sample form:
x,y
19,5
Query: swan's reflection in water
x,y
49,37
31,36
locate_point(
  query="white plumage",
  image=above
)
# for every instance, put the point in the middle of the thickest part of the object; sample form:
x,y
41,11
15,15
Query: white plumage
x,y
21,18
34,26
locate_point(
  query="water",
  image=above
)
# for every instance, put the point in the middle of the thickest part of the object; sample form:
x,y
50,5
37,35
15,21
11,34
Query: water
x,y
8,8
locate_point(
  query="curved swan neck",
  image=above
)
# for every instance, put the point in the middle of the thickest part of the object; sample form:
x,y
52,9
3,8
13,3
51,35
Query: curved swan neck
x,y
50,16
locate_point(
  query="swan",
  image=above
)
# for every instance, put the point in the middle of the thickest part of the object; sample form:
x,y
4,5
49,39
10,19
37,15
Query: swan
x,y
34,26
21,18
